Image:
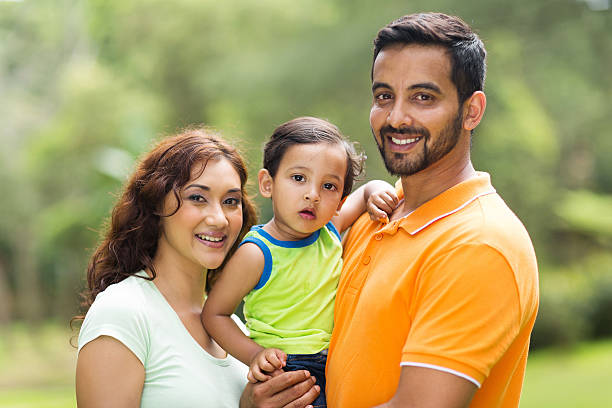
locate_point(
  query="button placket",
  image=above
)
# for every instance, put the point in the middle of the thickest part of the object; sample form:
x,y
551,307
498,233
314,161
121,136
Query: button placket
x,y
363,267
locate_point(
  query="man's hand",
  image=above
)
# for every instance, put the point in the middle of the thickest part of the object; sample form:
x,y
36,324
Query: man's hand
x,y
266,364
293,389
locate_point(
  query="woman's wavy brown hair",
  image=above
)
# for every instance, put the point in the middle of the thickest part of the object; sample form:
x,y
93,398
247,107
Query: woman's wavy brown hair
x,y
132,235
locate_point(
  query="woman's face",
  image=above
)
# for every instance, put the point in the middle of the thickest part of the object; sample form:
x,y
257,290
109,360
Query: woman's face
x,y
203,230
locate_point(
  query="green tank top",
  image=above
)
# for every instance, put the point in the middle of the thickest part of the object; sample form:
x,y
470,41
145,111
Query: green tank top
x,y
292,305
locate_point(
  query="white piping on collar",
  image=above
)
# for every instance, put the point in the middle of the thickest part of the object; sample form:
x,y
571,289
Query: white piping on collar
x,y
492,191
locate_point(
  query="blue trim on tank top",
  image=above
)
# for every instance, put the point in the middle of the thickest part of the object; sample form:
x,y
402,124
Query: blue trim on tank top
x,y
309,240
267,269
330,226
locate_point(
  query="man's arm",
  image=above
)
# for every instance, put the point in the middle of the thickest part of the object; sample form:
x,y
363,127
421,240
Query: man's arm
x,y
421,387
468,298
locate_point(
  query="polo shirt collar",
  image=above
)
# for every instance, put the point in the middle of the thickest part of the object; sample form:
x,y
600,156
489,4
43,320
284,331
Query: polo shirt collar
x,y
448,202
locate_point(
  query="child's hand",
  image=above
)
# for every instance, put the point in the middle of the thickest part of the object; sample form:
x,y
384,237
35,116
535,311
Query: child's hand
x,y
382,200
266,364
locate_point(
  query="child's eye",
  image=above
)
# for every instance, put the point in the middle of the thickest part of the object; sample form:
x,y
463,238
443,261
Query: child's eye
x,y
298,177
233,202
330,186
198,198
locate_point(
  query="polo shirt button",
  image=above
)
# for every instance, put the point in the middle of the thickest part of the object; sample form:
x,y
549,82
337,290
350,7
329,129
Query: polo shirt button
x,y
366,260
378,237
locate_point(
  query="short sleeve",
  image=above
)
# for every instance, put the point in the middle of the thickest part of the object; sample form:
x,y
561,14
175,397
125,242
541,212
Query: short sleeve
x,y
466,313
116,314
240,324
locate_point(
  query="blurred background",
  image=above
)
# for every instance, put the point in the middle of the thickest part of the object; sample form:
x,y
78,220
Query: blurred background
x,y
87,86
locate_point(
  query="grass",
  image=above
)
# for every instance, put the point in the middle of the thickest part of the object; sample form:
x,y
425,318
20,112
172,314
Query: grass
x,y
579,377
45,397
36,366
37,371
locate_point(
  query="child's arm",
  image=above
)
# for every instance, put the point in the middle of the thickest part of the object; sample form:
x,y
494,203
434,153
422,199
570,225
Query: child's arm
x,y
238,278
377,197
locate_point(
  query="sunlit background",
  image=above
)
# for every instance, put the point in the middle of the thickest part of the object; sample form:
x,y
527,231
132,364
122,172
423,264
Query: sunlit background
x,y
87,86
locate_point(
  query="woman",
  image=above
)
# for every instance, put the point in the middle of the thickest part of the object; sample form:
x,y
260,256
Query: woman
x,y
142,343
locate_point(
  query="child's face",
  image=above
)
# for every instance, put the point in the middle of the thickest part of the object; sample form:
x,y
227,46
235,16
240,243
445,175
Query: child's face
x,y
307,188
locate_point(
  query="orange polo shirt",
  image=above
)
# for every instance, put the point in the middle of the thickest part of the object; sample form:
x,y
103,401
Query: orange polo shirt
x,y
453,286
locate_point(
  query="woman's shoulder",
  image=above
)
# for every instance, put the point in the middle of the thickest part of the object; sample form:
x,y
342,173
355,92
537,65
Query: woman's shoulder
x,y
119,311
129,294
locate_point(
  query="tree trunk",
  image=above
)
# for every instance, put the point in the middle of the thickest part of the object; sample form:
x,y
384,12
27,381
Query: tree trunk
x,y
28,293
6,297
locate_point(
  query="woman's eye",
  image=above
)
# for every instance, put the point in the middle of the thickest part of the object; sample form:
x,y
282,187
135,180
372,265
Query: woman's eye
x,y
232,202
298,177
329,186
198,198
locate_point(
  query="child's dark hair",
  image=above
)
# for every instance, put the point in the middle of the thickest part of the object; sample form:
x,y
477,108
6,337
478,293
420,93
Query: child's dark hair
x,y
307,130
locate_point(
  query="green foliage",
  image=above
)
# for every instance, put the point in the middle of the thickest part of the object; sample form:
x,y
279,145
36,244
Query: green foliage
x,y
575,303
601,314
587,213
563,315
92,83
516,142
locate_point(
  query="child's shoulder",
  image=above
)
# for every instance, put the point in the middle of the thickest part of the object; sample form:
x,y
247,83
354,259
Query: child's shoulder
x,y
250,249
333,231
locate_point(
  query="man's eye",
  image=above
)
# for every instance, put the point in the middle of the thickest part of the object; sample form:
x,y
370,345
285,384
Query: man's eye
x,y
329,186
298,177
383,96
424,97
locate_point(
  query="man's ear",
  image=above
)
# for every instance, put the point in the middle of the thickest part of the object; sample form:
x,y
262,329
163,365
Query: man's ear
x,y
475,107
265,183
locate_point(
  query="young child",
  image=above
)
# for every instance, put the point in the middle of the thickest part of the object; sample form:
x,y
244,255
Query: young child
x,y
287,270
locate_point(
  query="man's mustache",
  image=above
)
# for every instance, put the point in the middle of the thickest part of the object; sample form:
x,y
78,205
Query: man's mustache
x,y
404,130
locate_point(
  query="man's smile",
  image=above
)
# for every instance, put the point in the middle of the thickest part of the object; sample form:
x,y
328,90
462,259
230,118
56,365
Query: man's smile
x,y
404,141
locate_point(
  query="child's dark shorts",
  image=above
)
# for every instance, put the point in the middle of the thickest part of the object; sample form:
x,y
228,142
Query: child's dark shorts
x,y
315,363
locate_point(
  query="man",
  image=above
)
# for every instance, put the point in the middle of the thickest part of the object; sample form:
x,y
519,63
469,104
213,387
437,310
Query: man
x,y
435,307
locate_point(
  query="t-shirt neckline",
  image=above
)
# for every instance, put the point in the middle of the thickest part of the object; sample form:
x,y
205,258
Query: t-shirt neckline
x,y
160,297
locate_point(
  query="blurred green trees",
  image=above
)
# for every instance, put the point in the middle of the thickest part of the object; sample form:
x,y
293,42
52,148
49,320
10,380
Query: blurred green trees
x,y
87,86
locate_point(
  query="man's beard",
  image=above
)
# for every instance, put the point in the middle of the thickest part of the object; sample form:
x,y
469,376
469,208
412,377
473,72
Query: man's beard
x,y
406,164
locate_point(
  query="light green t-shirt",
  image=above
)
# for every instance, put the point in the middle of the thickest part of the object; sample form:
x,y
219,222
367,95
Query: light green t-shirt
x,y
178,372
292,306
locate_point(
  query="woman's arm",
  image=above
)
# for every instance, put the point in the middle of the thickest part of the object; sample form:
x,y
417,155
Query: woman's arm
x,y
108,374
377,197
238,278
